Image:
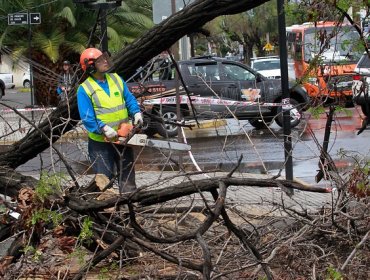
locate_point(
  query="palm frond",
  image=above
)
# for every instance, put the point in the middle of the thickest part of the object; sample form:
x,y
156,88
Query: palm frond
x,y
68,15
115,39
76,42
135,19
18,54
49,45
3,35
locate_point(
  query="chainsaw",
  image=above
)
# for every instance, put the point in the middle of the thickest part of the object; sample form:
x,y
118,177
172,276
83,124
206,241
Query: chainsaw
x,y
129,135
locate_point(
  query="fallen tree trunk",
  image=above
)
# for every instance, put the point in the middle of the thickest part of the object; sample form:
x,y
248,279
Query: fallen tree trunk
x,y
11,181
174,191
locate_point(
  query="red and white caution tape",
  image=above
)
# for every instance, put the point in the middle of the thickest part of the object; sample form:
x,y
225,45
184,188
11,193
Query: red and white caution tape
x,y
196,100
28,110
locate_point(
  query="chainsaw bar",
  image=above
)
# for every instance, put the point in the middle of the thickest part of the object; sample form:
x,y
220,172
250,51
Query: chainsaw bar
x,y
142,140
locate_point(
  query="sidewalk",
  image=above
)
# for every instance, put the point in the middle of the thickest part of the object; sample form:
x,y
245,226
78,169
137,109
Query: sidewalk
x,y
255,199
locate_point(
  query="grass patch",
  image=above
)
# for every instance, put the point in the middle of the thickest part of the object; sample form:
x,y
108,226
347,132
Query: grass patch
x,y
23,89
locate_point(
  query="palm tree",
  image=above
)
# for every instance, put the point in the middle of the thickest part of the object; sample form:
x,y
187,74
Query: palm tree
x,y
66,29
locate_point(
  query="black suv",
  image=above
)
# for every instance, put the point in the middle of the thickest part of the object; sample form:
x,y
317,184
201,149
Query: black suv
x,y
219,88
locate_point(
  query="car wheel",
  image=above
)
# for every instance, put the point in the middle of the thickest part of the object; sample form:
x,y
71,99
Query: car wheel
x,y
167,129
295,114
149,127
259,123
26,84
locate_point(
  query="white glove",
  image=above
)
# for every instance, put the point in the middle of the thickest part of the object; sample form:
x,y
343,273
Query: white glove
x,y
109,132
138,119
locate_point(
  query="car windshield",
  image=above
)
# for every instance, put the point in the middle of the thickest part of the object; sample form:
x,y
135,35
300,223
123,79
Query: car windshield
x,y
266,65
336,47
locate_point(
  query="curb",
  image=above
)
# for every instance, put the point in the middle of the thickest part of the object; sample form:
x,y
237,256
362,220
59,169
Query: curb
x,y
206,124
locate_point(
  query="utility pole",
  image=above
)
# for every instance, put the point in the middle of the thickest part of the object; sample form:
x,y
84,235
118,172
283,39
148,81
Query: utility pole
x,y
286,107
175,51
103,26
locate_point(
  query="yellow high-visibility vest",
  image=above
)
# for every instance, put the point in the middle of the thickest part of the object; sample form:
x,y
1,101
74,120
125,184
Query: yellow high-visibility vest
x,y
111,109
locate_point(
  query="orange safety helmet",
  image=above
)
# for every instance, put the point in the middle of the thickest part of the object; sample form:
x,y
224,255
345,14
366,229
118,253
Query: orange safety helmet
x,y
88,57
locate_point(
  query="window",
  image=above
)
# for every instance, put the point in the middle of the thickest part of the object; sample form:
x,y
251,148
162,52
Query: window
x,y
266,65
298,47
237,73
205,71
337,45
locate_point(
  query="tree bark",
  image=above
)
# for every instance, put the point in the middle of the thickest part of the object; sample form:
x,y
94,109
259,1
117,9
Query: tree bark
x,y
11,182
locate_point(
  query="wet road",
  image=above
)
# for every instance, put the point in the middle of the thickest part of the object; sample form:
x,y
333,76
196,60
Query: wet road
x,y
17,98
221,147
263,149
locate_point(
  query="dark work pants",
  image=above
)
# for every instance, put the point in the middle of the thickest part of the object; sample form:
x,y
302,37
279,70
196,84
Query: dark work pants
x,y
107,158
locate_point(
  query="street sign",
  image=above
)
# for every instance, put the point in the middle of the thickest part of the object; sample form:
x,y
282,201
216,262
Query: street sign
x,y
19,18
22,18
268,47
35,18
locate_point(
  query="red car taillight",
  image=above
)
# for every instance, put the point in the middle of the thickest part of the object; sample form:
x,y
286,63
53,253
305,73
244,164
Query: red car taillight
x,y
357,77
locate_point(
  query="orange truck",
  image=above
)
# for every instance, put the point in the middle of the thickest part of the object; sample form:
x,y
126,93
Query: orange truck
x,y
324,56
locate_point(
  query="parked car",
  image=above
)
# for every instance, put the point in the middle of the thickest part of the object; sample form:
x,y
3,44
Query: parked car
x,y
26,80
6,81
213,84
238,58
360,85
268,66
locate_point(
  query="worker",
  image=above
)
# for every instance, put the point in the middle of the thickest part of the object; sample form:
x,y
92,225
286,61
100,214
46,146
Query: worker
x,y
66,81
104,102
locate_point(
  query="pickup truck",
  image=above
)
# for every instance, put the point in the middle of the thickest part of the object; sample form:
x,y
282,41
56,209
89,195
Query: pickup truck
x,y
219,88
6,81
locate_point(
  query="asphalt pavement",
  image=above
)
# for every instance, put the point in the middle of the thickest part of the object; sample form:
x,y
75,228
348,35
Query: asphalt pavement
x,y
16,98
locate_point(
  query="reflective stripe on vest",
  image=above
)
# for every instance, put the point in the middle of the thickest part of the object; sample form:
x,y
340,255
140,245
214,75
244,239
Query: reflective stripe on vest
x,y
111,109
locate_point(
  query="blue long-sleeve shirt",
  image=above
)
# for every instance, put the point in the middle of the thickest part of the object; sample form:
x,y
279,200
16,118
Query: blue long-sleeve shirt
x,y
86,110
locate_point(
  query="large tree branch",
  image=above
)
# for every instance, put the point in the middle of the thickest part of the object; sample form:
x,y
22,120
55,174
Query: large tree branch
x,y
178,190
